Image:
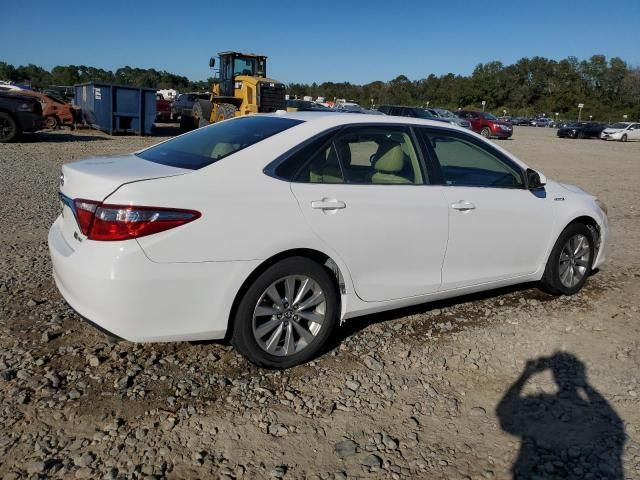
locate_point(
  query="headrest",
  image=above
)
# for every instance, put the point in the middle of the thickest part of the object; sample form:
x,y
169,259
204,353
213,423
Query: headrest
x,y
222,149
391,161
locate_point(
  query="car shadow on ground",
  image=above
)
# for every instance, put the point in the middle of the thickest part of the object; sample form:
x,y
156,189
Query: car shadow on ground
x,y
58,137
355,325
573,433
166,130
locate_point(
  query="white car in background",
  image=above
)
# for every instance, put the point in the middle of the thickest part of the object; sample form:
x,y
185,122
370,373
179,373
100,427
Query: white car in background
x,y
271,230
621,131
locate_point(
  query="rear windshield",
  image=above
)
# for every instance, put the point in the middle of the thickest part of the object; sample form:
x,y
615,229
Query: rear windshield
x,y
207,145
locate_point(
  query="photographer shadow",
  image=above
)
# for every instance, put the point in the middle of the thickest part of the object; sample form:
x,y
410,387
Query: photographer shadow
x,y
571,434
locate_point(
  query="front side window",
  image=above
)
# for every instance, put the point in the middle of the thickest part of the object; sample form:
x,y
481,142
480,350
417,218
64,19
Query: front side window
x,y
465,162
204,146
366,155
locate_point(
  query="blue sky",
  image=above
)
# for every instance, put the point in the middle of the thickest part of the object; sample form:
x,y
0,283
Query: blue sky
x,y
306,41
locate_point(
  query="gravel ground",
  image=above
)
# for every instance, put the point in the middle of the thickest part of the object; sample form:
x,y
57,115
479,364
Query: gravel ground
x,y
478,387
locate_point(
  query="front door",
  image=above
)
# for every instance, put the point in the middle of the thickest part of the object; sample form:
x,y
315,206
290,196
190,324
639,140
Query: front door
x,y
497,228
367,195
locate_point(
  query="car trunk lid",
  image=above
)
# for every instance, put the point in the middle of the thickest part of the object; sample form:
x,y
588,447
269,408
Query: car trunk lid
x,y
96,178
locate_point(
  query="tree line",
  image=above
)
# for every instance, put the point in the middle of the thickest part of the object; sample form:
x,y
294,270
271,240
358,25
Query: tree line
x,y
39,78
608,88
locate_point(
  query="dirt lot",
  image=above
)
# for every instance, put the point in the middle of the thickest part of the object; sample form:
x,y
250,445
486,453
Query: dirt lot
x,y
430,392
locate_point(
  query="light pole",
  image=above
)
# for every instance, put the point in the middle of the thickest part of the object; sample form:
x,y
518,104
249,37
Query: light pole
x,y
580,107
590,117
625,117
504,112
484,102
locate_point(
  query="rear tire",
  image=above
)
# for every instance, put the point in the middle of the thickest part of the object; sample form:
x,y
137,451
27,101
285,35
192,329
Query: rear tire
x,y
570,261
9,129
485,132
281,321
623,138
580,135
51,122
201,113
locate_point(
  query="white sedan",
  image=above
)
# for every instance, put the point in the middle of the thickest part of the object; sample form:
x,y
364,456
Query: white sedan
x,y
271,230
621,131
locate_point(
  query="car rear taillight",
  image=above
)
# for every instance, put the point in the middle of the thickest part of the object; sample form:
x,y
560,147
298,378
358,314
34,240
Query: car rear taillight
x,y
84,213
124,222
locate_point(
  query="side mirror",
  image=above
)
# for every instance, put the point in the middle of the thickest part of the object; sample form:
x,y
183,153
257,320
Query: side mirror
x,y
212,62
535,180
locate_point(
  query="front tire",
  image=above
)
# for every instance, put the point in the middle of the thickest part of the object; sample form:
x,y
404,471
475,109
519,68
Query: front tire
x,y
225,111
570,261
287,314
9,129
623,138
485,132
201,113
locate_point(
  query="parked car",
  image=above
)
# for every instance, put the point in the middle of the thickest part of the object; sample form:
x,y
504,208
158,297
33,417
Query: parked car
x,y
542,122
411,112
621,131
163,109
259,228
581,130
486,124
305,106
56,112
449,116
184,103
18,113
520,121
348,107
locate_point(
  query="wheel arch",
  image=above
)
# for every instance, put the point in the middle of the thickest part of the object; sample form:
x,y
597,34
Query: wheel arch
x,y
593,226
338,275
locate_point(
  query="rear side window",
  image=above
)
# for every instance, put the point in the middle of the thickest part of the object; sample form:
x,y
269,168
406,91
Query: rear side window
x,y
366,155
205,146
288,169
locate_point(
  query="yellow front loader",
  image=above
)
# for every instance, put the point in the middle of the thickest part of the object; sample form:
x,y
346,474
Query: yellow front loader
x,y
241,88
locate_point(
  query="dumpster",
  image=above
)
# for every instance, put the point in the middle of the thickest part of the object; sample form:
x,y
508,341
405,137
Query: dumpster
x,y
117,109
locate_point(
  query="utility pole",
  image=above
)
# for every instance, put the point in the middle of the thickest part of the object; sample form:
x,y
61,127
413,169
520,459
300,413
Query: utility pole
x,y
580,107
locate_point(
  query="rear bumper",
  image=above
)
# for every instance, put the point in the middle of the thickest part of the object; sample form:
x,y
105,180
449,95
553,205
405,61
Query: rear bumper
x,y
115,286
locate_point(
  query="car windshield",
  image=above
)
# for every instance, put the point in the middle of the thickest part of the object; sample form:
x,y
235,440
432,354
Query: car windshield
x,y
422,113
618,125
487,116
445,113
205,146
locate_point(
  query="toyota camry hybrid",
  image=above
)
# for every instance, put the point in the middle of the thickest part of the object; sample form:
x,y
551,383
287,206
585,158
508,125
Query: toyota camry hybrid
x,y
271,230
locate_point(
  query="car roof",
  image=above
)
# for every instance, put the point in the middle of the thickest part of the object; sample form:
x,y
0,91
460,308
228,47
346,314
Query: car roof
x,y
330,119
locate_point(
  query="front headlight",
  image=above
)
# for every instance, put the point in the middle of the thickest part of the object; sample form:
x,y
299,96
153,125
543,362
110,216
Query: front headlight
x,y
602,206
26,107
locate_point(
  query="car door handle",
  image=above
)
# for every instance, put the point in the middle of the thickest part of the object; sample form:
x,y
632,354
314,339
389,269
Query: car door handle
x,y
328,204
463,206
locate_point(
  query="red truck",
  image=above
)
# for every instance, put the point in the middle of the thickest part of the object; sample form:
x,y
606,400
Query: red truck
x,y
486,124
163,109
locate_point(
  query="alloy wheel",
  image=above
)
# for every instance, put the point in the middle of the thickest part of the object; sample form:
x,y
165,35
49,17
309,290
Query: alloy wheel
x,y
289,315
574,260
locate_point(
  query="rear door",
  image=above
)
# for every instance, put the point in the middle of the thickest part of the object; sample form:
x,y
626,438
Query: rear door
x,y
497,228
366,194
